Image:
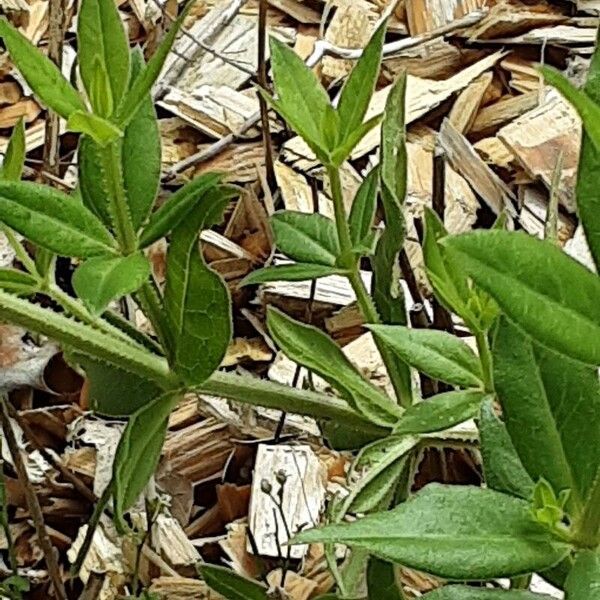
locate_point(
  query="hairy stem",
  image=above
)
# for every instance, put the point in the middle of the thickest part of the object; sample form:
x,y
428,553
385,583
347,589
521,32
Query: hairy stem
x,y
151,303
485,356
20,252
587,527
110,159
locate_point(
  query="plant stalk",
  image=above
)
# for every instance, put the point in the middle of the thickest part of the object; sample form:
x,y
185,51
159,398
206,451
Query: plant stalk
x,y
110,159
485,357
20,252
587,527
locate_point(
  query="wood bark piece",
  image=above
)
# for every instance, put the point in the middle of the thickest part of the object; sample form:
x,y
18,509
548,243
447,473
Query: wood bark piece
x,y
465,160
464,110
537,137
534,210
302,497
503,111
426,15
298,11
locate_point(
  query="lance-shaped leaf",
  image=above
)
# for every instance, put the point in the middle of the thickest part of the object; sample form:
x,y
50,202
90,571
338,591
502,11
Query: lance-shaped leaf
x,y
435,353
232,586
588,172
53,220
449,282
376,470
18,282
502,468
103,132
306,238
140,159
14,158
177,207
293,272
440,412
386,290
359,87
301,99
551,408
143,83
547,293
583,582
363,209
101,37
137,454
463,592
141,154
197,302
100,280
310,347
455,532
41,74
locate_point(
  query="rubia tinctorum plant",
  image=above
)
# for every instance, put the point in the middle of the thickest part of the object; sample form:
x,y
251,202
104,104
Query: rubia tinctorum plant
x,y
533,312
539,511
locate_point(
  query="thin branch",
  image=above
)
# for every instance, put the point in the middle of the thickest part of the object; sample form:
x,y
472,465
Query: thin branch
x,y
324,48
33,504
262,80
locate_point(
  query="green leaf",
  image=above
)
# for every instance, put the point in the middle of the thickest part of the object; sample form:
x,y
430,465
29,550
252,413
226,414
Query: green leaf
x,y
100,93
306,238
587,190
502,468
101,37
440,412
232,586
103,132
113,391
294,272
197,303
91,182
14,158
449,282
302,100
143,83
455,532
379,466
436,353
534,283
53,220
359,87
18,282
138,452
463,592
588,110
382,581
551,407
386,290
179,205
40,73
363,209
100,280
344,149
141,154
310,347
583,582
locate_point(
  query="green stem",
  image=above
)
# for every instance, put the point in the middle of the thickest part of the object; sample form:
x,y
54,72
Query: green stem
x,y
110,158
77,310
363,298
485,357
150,301
20,251
587,528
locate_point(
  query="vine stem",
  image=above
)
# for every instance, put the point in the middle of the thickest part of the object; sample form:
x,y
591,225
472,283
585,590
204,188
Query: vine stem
x,y
110,158
485,357
587,528
363,298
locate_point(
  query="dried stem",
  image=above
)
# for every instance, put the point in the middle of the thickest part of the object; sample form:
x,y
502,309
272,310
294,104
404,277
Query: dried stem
x,y
33,504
